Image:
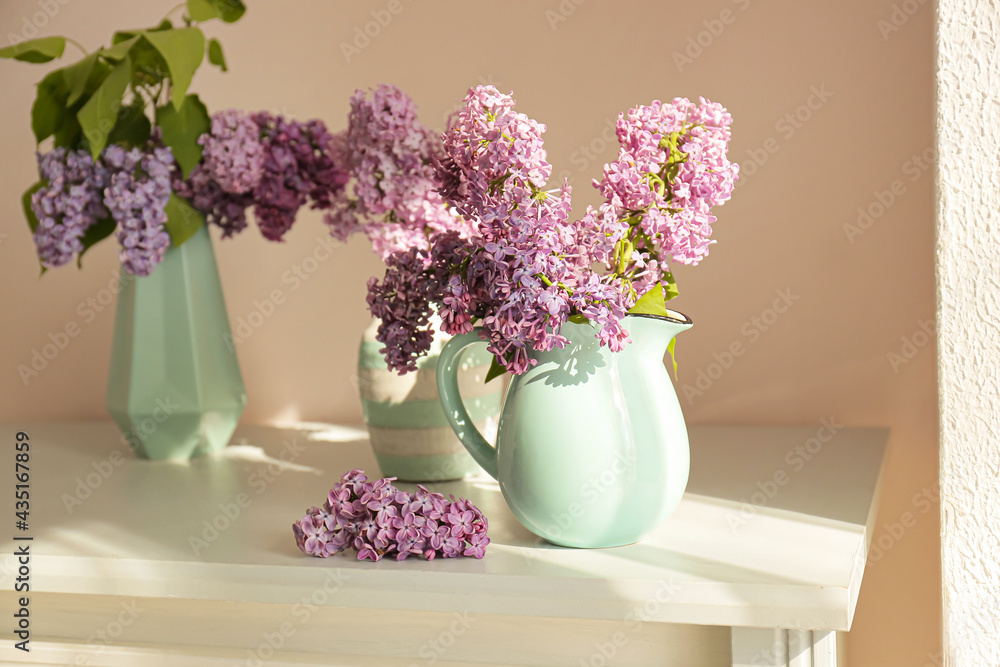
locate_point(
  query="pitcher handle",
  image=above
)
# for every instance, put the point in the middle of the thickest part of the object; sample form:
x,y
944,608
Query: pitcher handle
x,y
451,401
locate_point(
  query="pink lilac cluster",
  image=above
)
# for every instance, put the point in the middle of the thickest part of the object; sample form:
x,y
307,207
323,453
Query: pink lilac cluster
x,y
389,153
265,161
672,169
376,520
70,201
136,196
523,273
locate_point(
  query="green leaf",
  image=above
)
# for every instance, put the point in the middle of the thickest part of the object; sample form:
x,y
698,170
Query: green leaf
x,y
579,319
227,10
496,370
183,50
48,113
181,129
670,287
69,135
202,10
40,50
651,303
148,66
183,220
100,230
97,75
26,204
99,114
122,35
231,10
132,128
76,76
121,49
215,54
670,349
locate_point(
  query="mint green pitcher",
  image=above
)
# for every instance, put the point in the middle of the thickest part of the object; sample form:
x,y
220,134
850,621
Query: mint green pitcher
x,y
592,449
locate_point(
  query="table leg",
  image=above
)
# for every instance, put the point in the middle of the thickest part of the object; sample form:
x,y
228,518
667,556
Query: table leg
x,y
767,647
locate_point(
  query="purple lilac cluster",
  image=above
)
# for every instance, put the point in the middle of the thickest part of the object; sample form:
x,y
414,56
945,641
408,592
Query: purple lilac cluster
x,y
136,196
672,169
70,201
403,300
232,153
221,186
298,166
226,210
267,161
389,152
130,186
376,519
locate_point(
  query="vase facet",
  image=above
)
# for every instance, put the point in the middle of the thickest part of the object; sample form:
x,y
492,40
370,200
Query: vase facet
x,y
174,386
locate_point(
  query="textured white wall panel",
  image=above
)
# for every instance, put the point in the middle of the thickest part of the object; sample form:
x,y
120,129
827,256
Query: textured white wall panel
x,y
968,256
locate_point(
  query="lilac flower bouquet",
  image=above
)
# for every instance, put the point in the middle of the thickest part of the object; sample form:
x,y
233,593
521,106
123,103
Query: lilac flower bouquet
x,y
122,126
376,519
268,163
136,155
528,268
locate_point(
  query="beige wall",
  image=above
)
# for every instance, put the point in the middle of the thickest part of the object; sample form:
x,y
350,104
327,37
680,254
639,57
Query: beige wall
x,y
855,299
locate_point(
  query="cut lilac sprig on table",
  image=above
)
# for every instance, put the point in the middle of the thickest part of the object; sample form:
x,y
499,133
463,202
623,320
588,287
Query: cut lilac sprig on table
x,y
376,520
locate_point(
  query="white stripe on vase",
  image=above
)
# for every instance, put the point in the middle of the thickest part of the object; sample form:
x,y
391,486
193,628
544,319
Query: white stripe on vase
x,y
419,441
385,386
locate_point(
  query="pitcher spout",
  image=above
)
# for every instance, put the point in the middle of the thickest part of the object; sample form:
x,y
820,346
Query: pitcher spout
x,y
678,322
653,333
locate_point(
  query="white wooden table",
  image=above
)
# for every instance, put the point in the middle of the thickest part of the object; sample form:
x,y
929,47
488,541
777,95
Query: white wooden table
x,y
760,565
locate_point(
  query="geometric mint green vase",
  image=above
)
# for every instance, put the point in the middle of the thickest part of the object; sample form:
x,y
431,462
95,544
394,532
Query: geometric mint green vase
x,y
174,387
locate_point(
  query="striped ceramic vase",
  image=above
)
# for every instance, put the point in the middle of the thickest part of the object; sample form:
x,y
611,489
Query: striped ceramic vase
x,y
406,424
